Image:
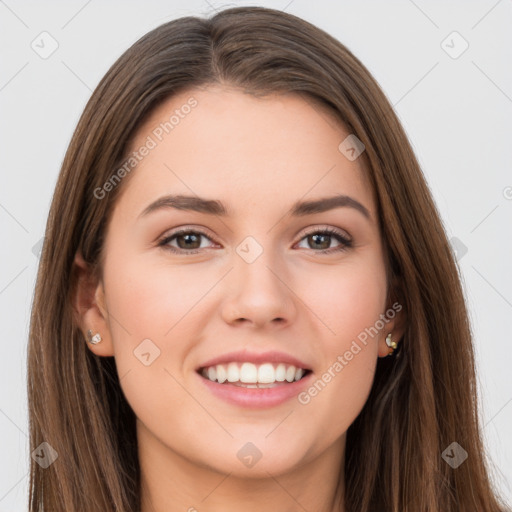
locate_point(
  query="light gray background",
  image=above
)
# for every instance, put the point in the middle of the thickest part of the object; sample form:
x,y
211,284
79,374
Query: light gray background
x,y
456,111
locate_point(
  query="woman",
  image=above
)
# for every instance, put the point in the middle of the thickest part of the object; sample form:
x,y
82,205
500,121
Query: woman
x,y
246,296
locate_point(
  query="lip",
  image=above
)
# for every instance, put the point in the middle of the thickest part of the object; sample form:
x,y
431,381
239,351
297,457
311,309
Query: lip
x,y
273,356
255,398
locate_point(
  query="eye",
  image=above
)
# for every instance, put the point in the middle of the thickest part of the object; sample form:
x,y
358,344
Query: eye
x,y
187,240
322,238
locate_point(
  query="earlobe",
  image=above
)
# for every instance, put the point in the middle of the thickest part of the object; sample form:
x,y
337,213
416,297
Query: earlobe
x,y
93,339
89,307
389,343
392,335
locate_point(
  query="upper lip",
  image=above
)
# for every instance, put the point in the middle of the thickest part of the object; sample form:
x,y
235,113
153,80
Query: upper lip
x,y
273,356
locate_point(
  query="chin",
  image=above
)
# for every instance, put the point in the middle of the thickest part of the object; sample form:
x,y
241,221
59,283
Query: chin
x,y
256,458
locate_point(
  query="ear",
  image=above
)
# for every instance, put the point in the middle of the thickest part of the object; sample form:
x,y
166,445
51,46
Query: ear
x,y
396,324
89,307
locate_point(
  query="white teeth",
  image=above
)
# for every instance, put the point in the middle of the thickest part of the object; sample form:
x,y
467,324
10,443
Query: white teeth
x,y
280,373
221,373
248,373
290,373
252,375
266,374
233,373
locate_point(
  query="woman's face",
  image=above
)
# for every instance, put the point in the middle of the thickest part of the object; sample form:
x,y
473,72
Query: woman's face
x,y
255,283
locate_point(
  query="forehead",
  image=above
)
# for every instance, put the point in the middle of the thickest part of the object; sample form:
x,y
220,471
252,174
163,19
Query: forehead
x,y
219,142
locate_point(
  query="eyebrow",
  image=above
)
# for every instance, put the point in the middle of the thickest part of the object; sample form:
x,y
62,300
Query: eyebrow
x,y
215,207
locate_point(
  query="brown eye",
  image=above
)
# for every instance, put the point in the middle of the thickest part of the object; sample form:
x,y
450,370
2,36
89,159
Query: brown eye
x,y
321,240
187,241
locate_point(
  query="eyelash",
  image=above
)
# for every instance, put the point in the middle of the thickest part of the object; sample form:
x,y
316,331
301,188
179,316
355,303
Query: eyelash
x,y
345,243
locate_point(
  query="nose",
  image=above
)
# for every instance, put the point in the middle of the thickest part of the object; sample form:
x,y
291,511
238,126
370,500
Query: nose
x,y
259,293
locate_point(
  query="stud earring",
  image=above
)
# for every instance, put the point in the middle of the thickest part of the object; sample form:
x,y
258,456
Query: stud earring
x,y
391,344
93,339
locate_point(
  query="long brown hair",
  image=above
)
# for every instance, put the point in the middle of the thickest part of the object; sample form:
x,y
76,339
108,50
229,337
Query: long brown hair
x,y
420,402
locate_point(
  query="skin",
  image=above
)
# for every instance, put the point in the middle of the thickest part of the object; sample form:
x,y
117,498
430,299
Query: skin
x,y
258,156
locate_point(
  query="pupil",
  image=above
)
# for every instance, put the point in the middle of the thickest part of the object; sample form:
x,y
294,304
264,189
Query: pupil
x,y
188,238
326,245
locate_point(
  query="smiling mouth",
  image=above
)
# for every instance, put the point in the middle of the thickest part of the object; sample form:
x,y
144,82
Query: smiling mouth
x,y
249,375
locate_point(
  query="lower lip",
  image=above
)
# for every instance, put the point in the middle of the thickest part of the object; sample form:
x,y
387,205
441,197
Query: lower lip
x,y
257,398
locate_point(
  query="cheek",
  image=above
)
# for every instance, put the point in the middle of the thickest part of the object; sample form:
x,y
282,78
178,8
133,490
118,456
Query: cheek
x,y
348,299
148,297
150,306
350,303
